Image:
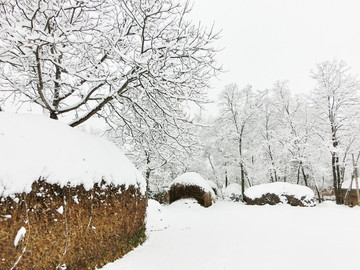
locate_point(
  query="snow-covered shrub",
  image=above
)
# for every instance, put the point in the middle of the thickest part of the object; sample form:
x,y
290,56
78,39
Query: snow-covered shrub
x,y
233,192
192,185
67,199
279,192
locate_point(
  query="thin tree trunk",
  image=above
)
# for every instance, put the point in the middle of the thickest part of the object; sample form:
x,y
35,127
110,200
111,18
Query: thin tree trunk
x,y
242,179
304,175
147,173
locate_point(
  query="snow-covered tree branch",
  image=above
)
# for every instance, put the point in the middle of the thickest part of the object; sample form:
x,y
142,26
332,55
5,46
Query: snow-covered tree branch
x,y
74,58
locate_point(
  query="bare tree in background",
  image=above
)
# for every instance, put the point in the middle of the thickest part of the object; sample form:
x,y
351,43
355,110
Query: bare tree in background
x,y
238,108
76,59
337,100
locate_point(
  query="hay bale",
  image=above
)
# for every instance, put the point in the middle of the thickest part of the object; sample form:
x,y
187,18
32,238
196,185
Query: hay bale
x,y
67,199
71,226
191,185
279,192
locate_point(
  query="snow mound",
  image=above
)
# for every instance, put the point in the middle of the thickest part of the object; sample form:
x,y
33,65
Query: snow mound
x,y
185,203
193,179
284,191
233,192
232,189
154,217
346,184
34,147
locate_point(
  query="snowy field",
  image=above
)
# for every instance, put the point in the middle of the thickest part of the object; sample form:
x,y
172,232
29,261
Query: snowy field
x,y
230,236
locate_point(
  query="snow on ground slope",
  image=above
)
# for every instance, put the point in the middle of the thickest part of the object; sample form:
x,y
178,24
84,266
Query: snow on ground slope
x,y
232,236
34,146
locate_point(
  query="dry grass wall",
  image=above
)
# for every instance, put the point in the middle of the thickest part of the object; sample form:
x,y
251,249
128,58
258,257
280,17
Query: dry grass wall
x,y
70,227
178,192
273,199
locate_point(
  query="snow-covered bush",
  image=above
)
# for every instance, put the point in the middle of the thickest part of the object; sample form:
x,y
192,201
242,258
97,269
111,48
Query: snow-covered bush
x,y
67,199
233,192
279,192
192,185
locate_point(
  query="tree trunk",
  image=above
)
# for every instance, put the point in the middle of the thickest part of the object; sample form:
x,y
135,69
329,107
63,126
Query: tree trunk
x,y
242,179
336,178
226,179
304,175
147,173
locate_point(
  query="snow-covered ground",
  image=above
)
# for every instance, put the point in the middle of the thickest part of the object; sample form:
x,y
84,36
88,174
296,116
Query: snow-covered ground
x,y
231,236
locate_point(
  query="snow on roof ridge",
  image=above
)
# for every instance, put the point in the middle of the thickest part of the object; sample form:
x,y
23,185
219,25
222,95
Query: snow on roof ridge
x,y
28,152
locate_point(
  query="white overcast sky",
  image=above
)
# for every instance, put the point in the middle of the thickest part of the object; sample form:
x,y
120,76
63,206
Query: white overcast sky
x,y
269,40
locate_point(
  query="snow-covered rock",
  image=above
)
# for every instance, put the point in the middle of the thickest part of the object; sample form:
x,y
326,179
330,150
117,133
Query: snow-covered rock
x,y
232,192
280,192
34,146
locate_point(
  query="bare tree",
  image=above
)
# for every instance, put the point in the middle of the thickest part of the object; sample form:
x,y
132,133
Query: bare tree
x,y
76,59
237,110
337,99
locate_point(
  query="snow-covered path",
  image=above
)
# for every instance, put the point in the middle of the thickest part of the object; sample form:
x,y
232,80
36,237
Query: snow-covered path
x,y
230,236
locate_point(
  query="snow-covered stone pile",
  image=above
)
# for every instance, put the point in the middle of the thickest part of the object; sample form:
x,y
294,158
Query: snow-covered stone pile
x,y
192,185
233,192
280,192
66,196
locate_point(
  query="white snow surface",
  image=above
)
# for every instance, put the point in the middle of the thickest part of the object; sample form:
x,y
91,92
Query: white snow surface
x,y
155,220
232,236
33,146
279,188
232,189
346,184
212,184
19,236
193,178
